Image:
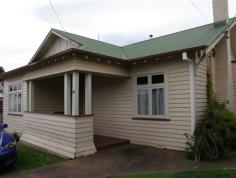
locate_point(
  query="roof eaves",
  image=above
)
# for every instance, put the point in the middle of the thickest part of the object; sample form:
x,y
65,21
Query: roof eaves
x,y
169,53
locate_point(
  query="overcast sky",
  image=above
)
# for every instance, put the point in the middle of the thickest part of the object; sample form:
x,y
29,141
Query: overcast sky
x,y
24,24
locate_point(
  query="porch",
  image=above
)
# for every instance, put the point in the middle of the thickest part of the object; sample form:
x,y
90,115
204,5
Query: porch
x,y
59,116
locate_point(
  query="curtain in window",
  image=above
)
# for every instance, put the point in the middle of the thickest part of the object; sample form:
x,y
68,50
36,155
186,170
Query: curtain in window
x,y
158,102
19,102
143,102
15,103
10,103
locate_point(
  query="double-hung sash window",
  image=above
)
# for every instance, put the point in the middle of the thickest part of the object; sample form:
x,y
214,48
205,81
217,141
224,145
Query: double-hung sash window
x,y
15,98
151,96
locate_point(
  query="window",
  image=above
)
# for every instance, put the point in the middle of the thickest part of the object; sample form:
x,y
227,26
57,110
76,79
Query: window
x,y
151,96
1,87
15,92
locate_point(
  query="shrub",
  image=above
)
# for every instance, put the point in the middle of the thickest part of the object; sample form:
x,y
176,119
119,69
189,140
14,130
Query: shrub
x,y
17,136
213,136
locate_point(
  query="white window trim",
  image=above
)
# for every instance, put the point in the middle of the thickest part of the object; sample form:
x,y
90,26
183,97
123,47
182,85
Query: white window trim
x,y
150,86
15,92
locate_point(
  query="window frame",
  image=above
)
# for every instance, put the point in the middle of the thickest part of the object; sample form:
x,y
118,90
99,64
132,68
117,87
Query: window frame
x,y
16,92
150,87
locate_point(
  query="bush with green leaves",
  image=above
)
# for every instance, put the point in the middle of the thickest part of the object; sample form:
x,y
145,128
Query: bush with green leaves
x,y
214,133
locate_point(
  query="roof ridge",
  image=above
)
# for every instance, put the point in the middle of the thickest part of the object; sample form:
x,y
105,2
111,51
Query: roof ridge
x,y
173,33
86,37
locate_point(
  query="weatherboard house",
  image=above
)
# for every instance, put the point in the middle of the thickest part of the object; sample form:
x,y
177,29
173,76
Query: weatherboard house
x,y
150,93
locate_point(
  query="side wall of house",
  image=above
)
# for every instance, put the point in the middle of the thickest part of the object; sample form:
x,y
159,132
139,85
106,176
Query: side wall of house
x,y
221,71
223,75
201,88
233,51
113,103
234,77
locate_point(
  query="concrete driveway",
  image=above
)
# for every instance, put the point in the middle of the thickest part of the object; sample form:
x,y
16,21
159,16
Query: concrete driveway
x,y
121,160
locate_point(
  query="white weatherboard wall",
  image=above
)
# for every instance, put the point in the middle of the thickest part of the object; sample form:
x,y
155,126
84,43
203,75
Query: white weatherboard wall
x,y
57,46
113,107
223,74
67,136
201,88
234,79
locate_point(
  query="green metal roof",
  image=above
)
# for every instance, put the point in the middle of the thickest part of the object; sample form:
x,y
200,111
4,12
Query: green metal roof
x,y
187,39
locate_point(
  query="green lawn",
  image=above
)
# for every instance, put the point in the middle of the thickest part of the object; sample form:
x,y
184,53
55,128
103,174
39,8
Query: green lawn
x,y
230,173
30,158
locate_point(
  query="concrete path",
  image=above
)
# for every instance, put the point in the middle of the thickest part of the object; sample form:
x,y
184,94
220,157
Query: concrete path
x,y
121,160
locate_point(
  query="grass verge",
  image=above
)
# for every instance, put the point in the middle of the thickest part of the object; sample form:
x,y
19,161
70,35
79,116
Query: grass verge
x,y
229,173
31,158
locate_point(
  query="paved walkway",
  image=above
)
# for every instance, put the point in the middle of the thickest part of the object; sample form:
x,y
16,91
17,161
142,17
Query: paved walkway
x,y
121,160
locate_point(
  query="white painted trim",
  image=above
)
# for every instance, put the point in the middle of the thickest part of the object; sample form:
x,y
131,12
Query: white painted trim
x,y
233,24
88,93
192,96
67,39
30,94
46,39
75,93
67,94
17,92
212,45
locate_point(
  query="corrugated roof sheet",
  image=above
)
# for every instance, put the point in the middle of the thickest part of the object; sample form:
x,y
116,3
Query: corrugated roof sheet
x,y
187,39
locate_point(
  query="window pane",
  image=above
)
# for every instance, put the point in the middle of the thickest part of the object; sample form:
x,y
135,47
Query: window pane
x,y
14,87
157,79
19,86
15,103
143,102
19,102
10,88
142,80
158,101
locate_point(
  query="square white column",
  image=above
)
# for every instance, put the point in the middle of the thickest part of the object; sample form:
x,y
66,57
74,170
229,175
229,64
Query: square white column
x,y
67,94
30,96
88,94
75,93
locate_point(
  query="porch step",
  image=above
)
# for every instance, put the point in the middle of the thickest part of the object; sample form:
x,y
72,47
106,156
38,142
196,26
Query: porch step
x,y
102,142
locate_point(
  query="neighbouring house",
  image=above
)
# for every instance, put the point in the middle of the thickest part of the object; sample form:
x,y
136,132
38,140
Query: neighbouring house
x,y
1,95
151,92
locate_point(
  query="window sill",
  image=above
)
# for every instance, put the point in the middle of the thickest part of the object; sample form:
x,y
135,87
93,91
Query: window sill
x,y
15,114
150,119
